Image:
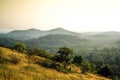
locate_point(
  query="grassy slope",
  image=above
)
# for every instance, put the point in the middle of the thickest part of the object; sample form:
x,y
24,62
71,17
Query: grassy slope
x,y
27,70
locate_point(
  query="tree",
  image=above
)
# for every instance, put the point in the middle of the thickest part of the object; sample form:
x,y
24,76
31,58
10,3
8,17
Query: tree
x,y
64,55
88,67
20,47
78,59
39,52
106,70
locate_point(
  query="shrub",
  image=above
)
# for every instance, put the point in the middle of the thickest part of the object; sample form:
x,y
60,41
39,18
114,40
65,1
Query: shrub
x,y
19,47
15,59
106,70
60,67
78,59
47,63
55,65
88,67
39,52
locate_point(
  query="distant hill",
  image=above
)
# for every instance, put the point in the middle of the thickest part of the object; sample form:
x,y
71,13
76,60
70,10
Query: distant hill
x,y
24,34
48,42
110,36
63,31
101,34
56,40
60,37
34,33
8,42
102,39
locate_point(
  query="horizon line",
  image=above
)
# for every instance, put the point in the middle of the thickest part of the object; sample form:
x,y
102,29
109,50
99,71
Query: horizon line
x,y
8,30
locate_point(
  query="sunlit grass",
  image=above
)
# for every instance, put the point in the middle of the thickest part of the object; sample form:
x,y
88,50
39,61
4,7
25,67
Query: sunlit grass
x,y
27,69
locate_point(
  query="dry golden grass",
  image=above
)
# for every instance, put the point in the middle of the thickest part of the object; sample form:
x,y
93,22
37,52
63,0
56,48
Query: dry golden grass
x,y
28,70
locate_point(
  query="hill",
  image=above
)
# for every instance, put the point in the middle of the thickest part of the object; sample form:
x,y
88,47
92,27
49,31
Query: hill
x,y
102,39
8,42
48,42
26,69
53,41
100,35
56,40
24,34
63,31
34,33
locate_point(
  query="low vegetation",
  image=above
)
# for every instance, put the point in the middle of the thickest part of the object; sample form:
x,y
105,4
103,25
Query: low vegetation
x,y
17,66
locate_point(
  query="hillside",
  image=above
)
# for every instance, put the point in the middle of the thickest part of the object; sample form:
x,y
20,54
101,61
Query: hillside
x,y
102,39
61,37
24,34
26,69
35,33
8,42
52,42
56,40
63,31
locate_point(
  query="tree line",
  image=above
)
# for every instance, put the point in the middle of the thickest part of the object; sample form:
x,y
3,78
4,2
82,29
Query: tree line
x,y
103,62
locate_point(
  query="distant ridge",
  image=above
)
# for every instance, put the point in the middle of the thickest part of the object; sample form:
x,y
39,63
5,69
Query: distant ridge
x,y
35,33
60,37
56,40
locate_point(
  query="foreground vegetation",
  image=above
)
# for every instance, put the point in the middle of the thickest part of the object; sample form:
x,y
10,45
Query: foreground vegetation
x,y
104,59
24,66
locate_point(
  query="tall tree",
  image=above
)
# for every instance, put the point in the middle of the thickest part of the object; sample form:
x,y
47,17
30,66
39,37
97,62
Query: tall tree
x,y
64,55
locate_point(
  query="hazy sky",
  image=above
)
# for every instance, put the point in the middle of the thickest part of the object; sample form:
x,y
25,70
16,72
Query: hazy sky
x,y
74,15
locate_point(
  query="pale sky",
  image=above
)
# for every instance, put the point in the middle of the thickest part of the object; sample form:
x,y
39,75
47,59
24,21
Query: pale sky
x,y
74,15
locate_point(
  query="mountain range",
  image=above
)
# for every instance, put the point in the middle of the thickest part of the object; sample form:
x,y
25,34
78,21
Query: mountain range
x,y
60,37
34,33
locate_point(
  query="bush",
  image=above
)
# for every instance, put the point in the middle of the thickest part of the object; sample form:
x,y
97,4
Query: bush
x,y
39,52
78,59
19,47
15,59
88,67
55,65
106,70
47,63
60,67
